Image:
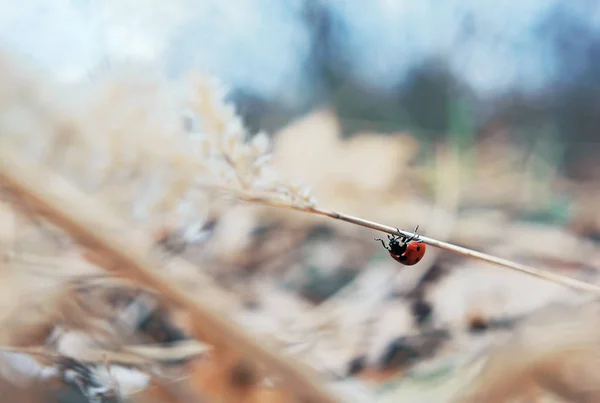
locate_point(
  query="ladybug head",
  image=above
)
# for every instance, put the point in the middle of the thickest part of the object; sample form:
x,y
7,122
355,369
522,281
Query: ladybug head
x,y
396,245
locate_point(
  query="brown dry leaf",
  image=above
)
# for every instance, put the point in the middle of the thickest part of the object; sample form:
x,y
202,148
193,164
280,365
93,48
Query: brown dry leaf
x,y
349,174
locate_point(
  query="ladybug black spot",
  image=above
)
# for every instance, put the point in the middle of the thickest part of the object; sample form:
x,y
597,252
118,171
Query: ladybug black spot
x,y
418,248
417,260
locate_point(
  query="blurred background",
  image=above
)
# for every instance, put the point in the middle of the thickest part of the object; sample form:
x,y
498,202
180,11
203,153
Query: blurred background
x,y
460,72
478,120
464,69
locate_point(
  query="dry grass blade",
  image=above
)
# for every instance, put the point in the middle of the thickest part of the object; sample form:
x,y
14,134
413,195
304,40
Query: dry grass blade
x,y
66,207
181,351
532,271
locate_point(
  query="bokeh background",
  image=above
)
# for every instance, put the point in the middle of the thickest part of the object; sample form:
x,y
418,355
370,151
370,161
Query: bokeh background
x,y
459,67
458,72
478,120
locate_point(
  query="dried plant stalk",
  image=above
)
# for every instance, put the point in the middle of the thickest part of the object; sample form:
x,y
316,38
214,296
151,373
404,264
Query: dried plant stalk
x,y
53,197
532,271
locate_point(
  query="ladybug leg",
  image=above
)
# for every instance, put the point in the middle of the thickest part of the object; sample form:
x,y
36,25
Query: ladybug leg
x,y
383,243
392,238
415,235
401,237
405,239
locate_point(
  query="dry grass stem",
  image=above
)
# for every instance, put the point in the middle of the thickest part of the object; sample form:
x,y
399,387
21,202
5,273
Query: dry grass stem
x,y
532,271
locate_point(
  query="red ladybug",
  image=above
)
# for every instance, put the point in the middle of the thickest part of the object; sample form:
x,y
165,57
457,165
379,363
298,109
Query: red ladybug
x,y
406,250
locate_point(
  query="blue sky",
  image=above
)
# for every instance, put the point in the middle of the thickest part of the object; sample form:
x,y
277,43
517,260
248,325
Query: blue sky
x,y
263,45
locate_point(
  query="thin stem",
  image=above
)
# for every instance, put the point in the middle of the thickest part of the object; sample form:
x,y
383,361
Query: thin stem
x,y
532,271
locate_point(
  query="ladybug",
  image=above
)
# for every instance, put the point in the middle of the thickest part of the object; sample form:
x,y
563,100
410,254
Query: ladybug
x,y
405,250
